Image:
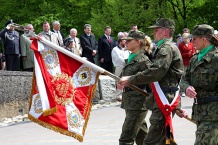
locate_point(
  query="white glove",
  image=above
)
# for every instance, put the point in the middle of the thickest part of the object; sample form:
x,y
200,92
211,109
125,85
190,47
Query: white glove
x,y
8,26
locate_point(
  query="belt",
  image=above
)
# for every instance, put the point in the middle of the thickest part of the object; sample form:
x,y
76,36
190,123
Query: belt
x,y
206,100
127,89
169,89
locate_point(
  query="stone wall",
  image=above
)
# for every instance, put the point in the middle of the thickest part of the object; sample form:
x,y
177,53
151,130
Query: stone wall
x,y
15,88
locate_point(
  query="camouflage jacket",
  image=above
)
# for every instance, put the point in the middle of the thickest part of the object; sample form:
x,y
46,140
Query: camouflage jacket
x,y
133,100
203,76
167,68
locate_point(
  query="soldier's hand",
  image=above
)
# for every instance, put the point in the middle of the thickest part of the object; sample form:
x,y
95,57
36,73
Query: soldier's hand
x,y
181,113
190,92
124,81
119,86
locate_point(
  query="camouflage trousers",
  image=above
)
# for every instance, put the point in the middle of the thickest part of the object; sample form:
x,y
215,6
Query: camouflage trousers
x,y
207,133
134,127
156,132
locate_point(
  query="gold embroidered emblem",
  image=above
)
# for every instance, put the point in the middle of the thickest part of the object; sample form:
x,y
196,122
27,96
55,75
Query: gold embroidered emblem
x,y
74,118
64,89
37,105
84,76
50,58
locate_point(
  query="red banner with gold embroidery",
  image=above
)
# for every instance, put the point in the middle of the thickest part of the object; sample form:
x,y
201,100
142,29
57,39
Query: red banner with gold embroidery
x,y
62,91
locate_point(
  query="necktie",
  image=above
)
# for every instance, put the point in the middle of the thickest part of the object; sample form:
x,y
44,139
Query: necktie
x,y
108,39
89,37
60,38
75,42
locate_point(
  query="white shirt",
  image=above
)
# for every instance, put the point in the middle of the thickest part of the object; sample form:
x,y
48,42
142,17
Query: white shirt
x,y
118,56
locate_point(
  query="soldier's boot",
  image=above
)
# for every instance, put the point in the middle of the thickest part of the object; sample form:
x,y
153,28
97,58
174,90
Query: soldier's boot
x,y
122,143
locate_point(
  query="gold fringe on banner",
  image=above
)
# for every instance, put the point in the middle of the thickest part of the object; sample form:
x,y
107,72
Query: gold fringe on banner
x,y
167,141
31,94
90,106
56,129
50,111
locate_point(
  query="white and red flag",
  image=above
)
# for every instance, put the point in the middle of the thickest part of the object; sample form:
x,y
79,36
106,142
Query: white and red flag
x,y
62,91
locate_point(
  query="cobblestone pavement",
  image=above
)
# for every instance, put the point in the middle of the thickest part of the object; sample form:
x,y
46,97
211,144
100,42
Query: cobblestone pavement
x,y
104,128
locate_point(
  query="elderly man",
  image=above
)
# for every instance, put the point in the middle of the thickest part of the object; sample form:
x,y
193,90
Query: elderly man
x,y
119,36
56,29
47,34
73,34
27,53
164,76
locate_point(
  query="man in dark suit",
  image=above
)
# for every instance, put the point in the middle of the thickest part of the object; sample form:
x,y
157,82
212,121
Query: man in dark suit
x,y
105,45
89,45
11,45
56,29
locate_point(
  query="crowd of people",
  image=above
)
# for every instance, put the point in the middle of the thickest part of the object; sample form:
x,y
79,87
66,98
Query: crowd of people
x,y
17,54
157,67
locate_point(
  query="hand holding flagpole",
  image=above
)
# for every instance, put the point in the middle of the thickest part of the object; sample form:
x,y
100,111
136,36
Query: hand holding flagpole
x,y
182,113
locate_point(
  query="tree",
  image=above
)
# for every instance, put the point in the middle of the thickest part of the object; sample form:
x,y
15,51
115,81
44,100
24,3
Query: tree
x,y
206,14
182,11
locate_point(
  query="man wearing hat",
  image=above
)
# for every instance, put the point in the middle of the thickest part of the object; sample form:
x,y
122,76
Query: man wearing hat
x,y
164,76
200,83
11,45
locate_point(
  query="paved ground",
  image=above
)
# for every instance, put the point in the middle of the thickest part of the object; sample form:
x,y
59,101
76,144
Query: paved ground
x,y
104,128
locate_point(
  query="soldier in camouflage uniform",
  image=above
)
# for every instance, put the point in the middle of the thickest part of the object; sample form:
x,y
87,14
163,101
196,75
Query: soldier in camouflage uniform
x,y
167,69
134,127
201,82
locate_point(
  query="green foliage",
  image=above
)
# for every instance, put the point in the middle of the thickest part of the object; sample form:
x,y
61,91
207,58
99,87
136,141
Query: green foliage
x,y
182,12
206,14
119,14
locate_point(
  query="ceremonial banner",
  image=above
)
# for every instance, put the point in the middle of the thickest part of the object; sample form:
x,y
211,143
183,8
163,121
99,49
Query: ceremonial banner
x,y
62,91
166,108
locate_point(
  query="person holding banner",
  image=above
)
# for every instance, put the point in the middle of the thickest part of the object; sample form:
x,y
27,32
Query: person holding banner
x,y
134,127
164,76
200,82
